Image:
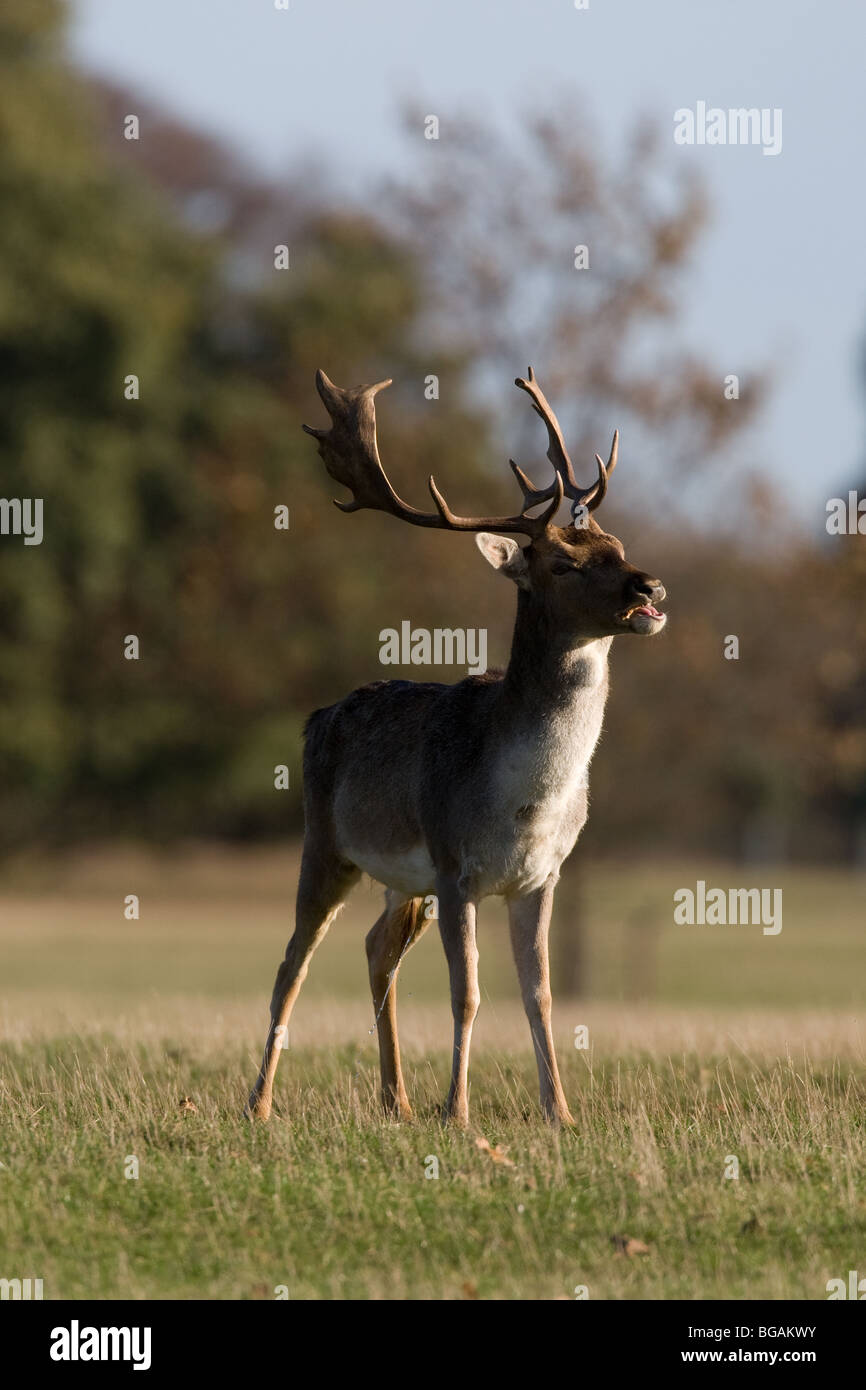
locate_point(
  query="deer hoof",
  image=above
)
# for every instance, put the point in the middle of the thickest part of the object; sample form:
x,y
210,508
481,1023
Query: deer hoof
x,y
257,1108
561,1118
401,1112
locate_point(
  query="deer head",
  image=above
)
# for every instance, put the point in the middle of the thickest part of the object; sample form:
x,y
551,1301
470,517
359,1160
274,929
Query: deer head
x,y
577,576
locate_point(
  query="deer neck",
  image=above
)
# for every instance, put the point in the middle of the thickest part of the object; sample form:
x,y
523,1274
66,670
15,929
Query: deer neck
x,y
552,697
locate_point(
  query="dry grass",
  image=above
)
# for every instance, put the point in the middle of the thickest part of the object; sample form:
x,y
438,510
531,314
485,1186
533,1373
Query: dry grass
x,y
108,1025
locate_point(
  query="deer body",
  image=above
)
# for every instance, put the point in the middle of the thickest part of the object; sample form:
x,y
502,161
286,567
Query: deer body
x,y
482,780
469,790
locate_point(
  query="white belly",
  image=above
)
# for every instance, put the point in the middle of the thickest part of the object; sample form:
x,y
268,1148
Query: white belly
x,y
409,871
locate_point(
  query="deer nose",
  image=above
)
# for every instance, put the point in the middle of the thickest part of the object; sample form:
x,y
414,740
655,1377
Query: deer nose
x,y
651,589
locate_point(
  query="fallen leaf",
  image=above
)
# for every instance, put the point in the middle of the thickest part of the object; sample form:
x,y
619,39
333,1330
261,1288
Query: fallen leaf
x,y
495,1153
627,1245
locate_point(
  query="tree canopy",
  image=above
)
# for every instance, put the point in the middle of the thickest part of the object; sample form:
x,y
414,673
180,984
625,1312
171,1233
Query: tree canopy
x,y
155,260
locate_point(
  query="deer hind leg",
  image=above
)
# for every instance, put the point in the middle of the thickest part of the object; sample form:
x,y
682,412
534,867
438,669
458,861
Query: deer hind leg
x,y
399,927
529,921
324,883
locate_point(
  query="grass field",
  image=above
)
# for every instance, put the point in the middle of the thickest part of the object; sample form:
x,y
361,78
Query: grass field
x,y
752,1047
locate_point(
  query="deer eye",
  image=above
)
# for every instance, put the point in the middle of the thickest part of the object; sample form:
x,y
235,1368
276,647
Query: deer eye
x,y
561,567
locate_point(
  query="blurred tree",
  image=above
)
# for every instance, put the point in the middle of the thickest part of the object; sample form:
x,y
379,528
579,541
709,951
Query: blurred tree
x,y
159,511
156,258
536,248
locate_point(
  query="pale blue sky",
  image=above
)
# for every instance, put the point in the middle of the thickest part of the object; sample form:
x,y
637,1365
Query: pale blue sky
x,y
780,278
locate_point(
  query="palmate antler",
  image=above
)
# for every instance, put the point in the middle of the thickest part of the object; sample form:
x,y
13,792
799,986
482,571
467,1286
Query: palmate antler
x,y
589,497
351,456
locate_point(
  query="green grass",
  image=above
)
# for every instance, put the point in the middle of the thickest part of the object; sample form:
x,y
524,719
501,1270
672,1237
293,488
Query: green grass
x,y
751,1048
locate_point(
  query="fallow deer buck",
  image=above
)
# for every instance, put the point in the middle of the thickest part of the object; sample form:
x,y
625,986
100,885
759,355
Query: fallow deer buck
x,y
463,790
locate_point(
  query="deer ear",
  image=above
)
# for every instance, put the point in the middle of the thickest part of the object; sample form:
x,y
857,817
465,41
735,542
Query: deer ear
x,y
506,555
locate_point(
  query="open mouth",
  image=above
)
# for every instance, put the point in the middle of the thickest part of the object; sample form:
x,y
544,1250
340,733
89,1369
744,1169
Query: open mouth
x,y
642,617
645,608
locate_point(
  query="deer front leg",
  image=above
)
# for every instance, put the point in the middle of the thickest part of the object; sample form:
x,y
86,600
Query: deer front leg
x,y
529,922
457,929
